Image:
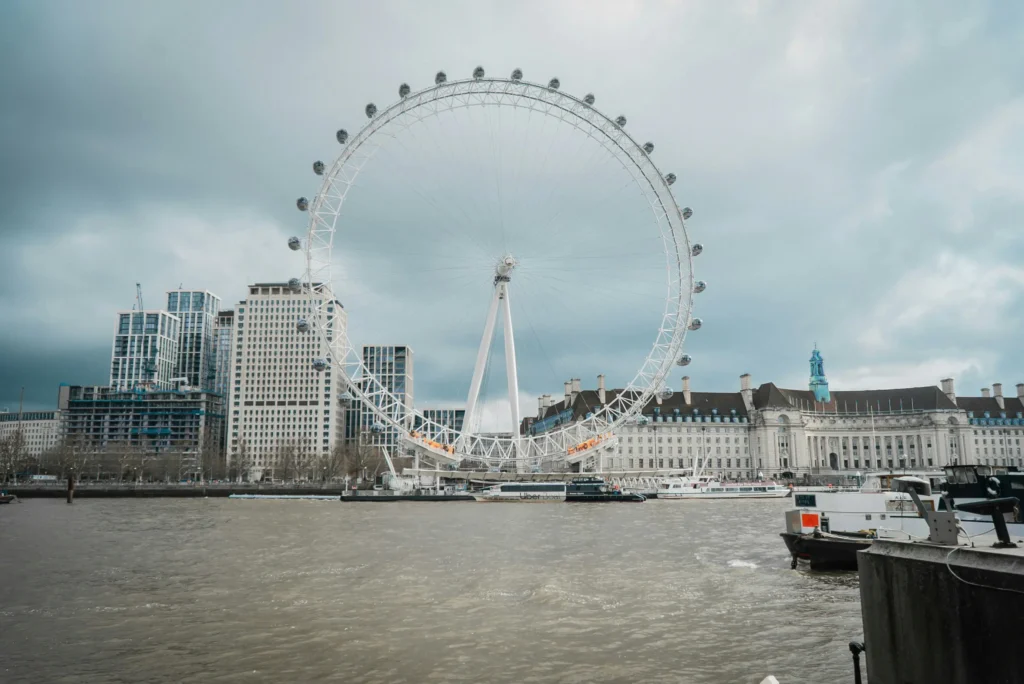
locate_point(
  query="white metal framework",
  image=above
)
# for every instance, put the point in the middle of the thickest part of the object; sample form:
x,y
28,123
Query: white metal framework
x,y
552,448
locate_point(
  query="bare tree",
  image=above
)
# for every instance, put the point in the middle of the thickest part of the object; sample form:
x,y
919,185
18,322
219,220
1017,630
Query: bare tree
x,y
211,461
287,462
124,457
242,462
72,456
12,448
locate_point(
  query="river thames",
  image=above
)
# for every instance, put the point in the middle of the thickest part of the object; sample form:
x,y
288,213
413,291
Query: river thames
x,y
219,590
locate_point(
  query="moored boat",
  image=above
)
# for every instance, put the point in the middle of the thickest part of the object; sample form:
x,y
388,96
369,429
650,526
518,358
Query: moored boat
x,y
596,490
524,492
706,487
7,498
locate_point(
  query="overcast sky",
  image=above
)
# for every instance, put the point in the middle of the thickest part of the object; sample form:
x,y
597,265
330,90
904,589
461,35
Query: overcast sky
x,y
856,172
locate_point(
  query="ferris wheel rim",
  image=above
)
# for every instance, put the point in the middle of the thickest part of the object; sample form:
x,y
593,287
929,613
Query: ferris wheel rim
x,y
323,225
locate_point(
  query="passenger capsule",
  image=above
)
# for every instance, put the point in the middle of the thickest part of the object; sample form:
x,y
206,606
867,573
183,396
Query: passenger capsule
x,y
294,243
670,178
318,168
700,286
697,249
643,420
687,213
648,147
371,110
696,323
554,84
346,398
517,74
295,284
302,325
588,99
319,365
404,90
377,427
302,203
440,78
684,360
665,393
620,121
478,73
342,136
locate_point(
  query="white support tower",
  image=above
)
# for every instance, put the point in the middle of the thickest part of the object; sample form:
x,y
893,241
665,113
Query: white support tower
x,y
500,299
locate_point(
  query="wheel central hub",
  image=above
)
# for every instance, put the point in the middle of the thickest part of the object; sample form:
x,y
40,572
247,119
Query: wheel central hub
x,y
503,269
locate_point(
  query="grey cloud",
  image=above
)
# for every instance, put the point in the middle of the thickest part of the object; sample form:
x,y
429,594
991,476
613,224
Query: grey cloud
x,y
805,137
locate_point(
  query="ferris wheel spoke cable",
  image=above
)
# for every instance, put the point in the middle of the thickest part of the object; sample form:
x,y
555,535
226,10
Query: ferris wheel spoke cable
x,y
473,225
444,214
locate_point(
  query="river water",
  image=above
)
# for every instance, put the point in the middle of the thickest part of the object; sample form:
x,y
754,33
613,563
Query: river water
x,y
219,590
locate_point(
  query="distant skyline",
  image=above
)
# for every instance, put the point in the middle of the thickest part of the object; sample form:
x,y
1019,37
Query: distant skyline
x,y
856,172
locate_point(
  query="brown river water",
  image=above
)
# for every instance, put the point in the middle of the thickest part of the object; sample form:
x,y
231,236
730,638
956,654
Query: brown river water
x,y
216,590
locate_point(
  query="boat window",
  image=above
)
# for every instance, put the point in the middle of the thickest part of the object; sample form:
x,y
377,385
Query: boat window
x,y
745,489
971,477
806,501
760,489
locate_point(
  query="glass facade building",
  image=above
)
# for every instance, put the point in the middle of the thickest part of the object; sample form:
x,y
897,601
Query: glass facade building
x,y
197,311
222,351
392,366
145,352
450,418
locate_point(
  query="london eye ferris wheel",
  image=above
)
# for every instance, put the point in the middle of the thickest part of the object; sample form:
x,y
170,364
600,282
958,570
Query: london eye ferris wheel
x,y
562,212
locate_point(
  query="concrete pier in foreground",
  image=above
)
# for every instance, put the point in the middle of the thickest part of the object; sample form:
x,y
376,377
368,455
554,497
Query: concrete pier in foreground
x,y
943,614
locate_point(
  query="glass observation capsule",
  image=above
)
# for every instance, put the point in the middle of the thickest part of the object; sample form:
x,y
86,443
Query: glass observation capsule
x,y
588,99
695,324
517,74
318,168
294,243
665,393
342,136
302,325
371,110
684,360
620,121
670,178
478,73
319,365
377,427
697,249
700,286
404,90
302,203
643,420
687,213
346,398
440,78
295,284
648,147
554,84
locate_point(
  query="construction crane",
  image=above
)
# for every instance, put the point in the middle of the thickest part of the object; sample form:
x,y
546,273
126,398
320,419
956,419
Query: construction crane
x,y
138,295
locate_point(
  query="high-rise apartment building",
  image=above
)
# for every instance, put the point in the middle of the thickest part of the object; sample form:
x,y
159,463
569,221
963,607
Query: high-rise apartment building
x,y
145,352
197,311
283,413
222,331
392,366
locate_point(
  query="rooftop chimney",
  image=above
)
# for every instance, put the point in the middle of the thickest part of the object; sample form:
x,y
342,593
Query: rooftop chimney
x,y
1020,391
747,392
997,392
568,393
575,387
947,389
985,392
600,388
540,407
686,390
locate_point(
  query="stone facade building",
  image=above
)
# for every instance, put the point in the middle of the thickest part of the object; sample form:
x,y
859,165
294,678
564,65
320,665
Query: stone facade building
x,y
791,434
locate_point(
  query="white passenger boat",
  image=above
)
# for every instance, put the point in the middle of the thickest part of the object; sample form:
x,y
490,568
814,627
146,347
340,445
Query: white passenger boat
x,y
883,507
707,487
526,492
